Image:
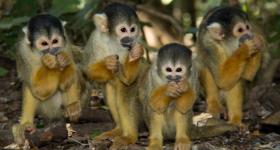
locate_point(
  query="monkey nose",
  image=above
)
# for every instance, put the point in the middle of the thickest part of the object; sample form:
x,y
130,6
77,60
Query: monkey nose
x,y
126,41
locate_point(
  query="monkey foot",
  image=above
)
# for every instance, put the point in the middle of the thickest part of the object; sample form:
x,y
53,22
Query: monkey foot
x,y
120,142
109,134
183,144
154,144
215,109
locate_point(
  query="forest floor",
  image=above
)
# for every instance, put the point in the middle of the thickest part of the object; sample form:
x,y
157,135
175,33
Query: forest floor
x,y
10,110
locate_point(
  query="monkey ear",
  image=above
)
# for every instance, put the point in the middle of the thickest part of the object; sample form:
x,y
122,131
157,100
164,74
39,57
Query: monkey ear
x,y
101,22
63,23
216,31
25,31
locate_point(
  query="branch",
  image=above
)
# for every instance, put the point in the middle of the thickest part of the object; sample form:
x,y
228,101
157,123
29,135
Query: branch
x,y
163,16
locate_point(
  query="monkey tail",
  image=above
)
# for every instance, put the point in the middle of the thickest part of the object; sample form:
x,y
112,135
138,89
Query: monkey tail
x,y
214,129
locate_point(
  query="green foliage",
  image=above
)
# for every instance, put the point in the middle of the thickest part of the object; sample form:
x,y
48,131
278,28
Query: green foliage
x,y
95,133
3,71
60,7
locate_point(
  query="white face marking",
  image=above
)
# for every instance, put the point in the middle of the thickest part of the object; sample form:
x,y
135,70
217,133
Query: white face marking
x,y
171,71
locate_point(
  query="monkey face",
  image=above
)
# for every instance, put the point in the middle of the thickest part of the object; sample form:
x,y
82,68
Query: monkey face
x,y
228,23
127,34
50,44
173,72
174,62
45,33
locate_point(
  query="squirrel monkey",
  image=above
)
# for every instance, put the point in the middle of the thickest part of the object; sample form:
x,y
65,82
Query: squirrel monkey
x,y
112,57
231,53
48,72
167,93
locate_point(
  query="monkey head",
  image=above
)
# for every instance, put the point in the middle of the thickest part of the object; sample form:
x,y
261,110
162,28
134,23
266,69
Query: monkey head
x,y
173,62
45,33
120,22
228,24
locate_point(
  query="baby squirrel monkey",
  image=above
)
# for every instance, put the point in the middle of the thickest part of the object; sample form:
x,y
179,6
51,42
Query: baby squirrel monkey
x,y
48,72
167,93
231,53
113,58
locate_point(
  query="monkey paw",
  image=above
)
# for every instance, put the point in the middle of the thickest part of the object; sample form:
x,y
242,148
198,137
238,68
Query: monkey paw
x,y
63,60
183,145
49,61
73,111
154,144
18,131
109,134
121,142
112,62
136,52
173,90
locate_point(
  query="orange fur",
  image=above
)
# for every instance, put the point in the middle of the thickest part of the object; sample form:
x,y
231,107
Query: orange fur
x,y
231,70
252,67
67,77
45,82
99,72
214,105
185,101
130,71
159,101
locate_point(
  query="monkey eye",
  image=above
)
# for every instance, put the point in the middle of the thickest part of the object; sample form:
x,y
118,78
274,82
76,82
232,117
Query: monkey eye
x,y
168,69
132,29
240,30
54,41
247,27
44,43
179,69
123,29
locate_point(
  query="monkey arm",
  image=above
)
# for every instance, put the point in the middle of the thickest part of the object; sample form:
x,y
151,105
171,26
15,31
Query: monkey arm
x,y
44,82
185,101
252,66
159,101
99,72
29,107
71,101
231,70
130,71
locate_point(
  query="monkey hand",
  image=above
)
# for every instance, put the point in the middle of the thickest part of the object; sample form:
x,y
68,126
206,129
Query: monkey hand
x,y
18,131
73,111
255,45
63,60
112,62
136,52
173,90
49,61
183,86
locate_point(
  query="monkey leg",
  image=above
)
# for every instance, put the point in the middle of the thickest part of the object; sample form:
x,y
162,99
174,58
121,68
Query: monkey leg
x,y
231,70
252,66
159,101
45,82
99,72
185,102
128,119
67,77
183,141
71,102
156,127
234,100
111,90
214,105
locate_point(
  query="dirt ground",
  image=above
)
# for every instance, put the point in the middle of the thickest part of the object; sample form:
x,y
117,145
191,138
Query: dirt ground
x,y
10,107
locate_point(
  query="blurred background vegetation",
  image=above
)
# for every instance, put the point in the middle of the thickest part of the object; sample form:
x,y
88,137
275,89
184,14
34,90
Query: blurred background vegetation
x,y
163,21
